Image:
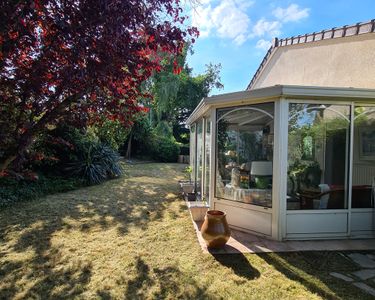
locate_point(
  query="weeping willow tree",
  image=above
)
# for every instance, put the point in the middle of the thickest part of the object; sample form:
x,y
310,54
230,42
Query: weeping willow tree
x,y
176,91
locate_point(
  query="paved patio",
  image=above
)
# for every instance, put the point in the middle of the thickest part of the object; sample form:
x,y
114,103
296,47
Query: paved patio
x,y
241,242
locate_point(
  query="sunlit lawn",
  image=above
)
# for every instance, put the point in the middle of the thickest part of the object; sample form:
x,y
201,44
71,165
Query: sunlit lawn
x,y
132,238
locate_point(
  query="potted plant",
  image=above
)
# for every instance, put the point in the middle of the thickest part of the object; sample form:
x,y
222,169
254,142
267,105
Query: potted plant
x,y
189,170
188,187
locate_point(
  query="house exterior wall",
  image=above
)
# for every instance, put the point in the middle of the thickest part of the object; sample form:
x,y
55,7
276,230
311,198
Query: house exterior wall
x,y
339,62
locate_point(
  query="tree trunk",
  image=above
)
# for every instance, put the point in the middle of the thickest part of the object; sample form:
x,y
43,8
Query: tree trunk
x,y
129,148
24,143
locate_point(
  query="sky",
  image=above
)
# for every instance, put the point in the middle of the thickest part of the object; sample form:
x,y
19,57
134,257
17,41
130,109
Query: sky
x,y
238,33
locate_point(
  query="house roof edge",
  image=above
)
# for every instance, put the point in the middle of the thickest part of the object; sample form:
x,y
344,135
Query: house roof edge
x,y
333,33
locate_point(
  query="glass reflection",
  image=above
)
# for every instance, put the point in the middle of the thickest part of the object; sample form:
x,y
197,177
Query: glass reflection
x,y
363,157
200,154
193,150
318,156
207,158
244,154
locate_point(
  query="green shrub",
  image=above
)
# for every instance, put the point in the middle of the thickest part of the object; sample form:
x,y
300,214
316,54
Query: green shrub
x,y
95,163
111,133
79,158
79,154
165,149
141,139
58,147
12,190
164,129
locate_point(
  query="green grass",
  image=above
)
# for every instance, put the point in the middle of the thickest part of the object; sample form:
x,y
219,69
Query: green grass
x,y
132,238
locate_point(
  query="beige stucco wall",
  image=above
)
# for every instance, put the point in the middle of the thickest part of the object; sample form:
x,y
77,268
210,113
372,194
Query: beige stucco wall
x,y
340,62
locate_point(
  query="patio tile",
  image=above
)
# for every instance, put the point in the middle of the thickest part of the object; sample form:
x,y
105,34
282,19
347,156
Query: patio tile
x,y
341,276
365,274
244,236
364,287
275,246
362,260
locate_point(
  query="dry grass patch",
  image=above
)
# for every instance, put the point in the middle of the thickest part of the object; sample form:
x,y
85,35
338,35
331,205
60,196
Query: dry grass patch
x,y
132,238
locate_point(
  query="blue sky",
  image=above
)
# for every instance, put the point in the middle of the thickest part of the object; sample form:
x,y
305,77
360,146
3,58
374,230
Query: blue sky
x,y
237,33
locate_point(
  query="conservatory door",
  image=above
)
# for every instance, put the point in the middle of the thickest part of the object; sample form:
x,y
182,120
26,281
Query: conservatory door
x,y
244,169
318,170
363,178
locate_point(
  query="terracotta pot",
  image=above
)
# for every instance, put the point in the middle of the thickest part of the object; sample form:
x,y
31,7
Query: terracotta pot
x,y
215,230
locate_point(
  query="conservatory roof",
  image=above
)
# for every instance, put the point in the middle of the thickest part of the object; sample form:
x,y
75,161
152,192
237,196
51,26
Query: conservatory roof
x,y
281,91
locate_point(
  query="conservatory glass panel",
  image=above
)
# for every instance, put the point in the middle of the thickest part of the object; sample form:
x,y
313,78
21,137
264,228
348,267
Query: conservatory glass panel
x,y
363,180
207,158
200,154
318,156
245,154
193,150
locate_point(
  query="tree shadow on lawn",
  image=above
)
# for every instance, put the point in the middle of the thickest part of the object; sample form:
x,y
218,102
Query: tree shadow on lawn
x,y
44,281
167,280
239,264
312,268
27,229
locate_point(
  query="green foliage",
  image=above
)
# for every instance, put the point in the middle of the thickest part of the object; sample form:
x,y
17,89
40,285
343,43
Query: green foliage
x,y
111,133
194,88
176,93
142,129
66,158
166,86
176,96
263,182
305,174
58,147
13,190
189,170
164,129
222,134
141,138
79,153
96,163
165,149
158,143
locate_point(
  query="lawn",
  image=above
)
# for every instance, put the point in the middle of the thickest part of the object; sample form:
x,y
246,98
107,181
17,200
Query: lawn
x,y
132,238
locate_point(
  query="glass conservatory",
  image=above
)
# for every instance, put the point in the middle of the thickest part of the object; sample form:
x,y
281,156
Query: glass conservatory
x,y
288,162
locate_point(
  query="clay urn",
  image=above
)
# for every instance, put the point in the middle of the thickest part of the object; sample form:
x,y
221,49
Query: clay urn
x,y
215,230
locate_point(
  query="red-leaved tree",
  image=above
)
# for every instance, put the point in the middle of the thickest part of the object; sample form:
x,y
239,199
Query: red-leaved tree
x,y
78,59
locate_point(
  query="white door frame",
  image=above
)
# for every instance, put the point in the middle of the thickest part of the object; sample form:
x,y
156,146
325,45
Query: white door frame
x,y
253,213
